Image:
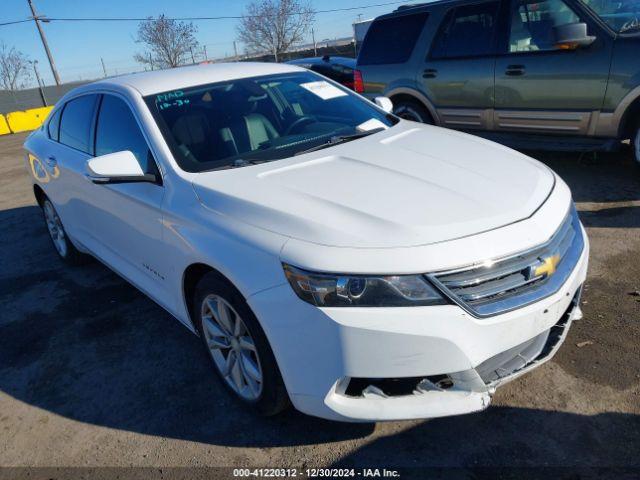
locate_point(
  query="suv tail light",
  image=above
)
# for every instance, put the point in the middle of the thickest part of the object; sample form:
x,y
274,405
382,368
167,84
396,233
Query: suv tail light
x,y
358,83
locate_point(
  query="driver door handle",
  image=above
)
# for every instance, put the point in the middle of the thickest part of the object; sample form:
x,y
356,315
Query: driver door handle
x,y
515,70
430,73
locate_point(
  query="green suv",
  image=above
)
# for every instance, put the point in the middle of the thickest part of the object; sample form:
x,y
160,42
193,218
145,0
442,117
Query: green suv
x,y
554,74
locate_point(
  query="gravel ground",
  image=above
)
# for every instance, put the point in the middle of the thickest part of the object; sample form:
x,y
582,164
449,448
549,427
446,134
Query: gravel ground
x,y
92,373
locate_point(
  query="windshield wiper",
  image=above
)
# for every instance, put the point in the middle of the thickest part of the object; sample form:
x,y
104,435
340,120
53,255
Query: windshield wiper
x,y
241,162
336,140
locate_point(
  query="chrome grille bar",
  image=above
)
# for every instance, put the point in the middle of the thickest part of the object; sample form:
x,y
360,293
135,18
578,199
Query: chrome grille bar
x,y
505,284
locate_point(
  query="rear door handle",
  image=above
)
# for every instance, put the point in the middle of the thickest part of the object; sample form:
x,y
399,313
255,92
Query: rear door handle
x,y
515,70
430,73
51,161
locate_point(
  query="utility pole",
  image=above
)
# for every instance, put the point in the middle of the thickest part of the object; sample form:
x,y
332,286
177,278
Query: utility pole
x,y
315,47
235,50
36,19
275,53
150,61
204,48
104,69
193,59
40,89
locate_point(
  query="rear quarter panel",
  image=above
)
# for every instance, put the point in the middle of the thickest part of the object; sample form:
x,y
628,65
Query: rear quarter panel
x,y
35,151
625,73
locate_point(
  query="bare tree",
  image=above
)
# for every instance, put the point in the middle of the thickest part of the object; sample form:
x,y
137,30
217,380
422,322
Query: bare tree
x,y
274,25
13,68
168,42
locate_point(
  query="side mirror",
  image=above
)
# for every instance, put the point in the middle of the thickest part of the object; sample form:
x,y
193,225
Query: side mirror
x,y
118,167
572,36
384,103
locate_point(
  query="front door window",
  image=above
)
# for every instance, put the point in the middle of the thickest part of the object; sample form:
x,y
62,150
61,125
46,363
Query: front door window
x,y
533,22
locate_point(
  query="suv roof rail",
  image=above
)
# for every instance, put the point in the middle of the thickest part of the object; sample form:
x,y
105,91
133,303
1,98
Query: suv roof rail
x,y
411,5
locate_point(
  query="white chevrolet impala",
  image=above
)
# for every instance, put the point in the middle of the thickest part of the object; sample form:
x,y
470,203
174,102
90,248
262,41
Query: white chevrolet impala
x,y
327,253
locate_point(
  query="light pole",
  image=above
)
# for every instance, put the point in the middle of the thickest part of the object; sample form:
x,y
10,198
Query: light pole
x,y
40,89
315,45
37,19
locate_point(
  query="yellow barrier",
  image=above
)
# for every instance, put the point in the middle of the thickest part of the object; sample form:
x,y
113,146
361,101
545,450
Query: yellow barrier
x,y
40,113
27,120
4,126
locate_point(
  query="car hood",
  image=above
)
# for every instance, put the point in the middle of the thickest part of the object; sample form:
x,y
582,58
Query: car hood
x,y
409,185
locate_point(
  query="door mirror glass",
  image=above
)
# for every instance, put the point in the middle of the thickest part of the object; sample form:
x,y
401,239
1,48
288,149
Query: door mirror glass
x,y
384,103
572,36
118,167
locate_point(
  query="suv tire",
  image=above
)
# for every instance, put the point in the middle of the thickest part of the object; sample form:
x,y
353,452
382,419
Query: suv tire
x,y
412,110
635,144
238,347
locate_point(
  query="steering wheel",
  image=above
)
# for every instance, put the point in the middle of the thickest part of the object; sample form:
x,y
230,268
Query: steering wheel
x,y
628,25
300,121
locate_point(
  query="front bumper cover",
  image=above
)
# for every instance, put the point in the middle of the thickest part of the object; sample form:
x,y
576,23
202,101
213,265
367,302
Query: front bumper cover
x,y
319,349
471,390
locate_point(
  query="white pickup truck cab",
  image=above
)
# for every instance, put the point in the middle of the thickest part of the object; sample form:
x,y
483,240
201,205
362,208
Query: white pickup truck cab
x,y
329,254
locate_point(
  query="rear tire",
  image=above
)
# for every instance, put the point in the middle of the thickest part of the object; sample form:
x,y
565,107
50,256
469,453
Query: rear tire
x,y
237,346
412,110
635,144
65,249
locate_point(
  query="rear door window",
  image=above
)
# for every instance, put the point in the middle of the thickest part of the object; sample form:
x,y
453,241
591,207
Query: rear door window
x,y
54,125
76,122
391,40
467,31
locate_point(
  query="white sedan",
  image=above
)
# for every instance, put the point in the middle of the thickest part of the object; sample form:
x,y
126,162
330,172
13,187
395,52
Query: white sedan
x,y
327,253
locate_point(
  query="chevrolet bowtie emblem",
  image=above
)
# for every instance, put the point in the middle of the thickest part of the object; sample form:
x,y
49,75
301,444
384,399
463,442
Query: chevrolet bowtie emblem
x,y
548,266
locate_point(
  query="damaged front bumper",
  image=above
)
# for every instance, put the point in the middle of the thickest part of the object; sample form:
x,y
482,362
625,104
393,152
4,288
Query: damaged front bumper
x,y
452,394
375,364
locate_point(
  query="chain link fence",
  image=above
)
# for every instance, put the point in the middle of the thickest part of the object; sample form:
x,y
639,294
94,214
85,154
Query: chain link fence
x,y
16,100
20,100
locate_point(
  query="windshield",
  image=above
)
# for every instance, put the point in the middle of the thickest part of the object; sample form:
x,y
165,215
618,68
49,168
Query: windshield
x,y
623,16
253,120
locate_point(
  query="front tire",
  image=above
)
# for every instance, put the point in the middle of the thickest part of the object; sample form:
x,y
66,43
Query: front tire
x,y
412,110
238,347
65,249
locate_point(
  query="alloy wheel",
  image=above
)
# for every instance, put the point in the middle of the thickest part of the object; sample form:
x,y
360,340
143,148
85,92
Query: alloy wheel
x,y
409,112
231,347
56,231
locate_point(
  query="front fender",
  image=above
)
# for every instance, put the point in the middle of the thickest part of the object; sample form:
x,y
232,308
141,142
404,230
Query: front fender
x,y
247,256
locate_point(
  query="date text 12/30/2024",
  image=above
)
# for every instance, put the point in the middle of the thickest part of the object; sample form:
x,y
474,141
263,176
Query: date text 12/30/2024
x,y
315,473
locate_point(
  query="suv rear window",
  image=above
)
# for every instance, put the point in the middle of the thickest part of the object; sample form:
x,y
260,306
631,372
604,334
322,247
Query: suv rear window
x,y
391,40
467,31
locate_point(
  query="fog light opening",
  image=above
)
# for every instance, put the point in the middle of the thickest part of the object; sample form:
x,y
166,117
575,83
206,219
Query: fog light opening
x,y
395,387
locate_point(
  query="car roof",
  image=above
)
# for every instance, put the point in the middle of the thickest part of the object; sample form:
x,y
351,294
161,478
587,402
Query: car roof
x,y
346,61
148,83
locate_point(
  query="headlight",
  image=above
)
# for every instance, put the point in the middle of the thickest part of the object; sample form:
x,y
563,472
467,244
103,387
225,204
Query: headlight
x,y
338,290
